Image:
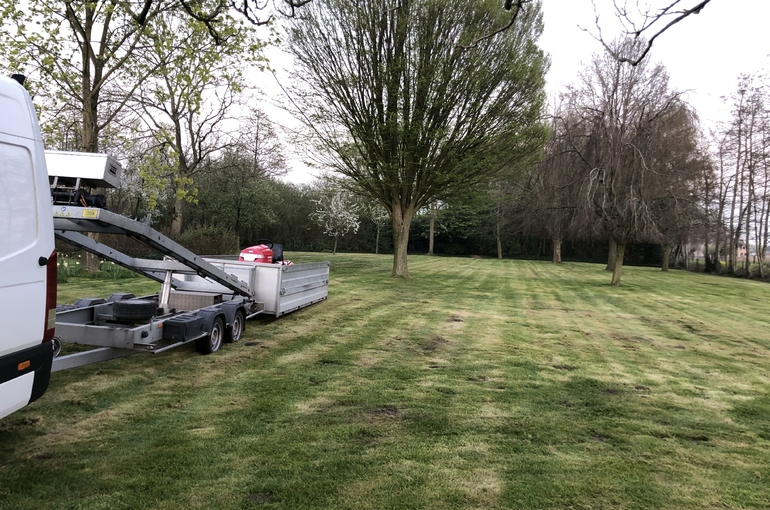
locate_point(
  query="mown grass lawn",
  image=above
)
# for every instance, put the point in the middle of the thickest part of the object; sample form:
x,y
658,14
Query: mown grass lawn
x,y
474,384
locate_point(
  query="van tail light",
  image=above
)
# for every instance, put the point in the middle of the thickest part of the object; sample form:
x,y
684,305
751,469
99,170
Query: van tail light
x,y
50,298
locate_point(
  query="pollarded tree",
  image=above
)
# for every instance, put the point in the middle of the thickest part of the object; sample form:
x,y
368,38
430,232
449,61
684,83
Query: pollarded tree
x,y
425,116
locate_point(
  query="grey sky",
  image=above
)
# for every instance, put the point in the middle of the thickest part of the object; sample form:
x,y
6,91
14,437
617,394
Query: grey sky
x,y
704,54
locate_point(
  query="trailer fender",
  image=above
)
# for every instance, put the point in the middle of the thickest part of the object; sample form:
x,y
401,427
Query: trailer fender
x,y
236,326
214,321
234,316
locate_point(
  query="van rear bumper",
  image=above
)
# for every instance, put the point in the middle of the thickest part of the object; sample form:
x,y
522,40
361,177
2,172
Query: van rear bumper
x,y
40,359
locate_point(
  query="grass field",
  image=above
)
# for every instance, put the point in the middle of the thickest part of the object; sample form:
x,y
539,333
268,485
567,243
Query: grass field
x,y
474,384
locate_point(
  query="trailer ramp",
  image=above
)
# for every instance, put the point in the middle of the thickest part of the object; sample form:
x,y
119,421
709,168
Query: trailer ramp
x,y
71,222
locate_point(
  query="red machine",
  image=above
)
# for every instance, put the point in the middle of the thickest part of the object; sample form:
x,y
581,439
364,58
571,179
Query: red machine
x,y
265,252
259,253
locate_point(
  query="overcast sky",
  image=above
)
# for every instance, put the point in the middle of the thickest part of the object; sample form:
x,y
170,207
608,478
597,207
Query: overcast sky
x,y
704,54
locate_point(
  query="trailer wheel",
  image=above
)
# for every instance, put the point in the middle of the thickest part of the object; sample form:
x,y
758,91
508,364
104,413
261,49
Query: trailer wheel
x,y
235,331
211,343
134,309
56,346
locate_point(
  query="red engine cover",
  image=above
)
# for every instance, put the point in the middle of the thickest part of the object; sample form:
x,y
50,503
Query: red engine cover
x,y
259,253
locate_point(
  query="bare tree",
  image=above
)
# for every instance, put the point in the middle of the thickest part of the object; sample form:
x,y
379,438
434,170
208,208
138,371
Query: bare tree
x,y
555,182
646,23
743,151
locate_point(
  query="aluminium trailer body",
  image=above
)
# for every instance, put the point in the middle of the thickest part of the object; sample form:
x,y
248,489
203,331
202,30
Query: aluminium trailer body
x,y
201,300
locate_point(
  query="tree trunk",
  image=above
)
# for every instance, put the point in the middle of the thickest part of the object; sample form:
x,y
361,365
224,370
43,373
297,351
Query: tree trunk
x,y
748,230
556,250
90,143
612,256
685,257
176,222
432,226
91,261
377,241
666,255
334,250
618,269
499,240
402,218
680,251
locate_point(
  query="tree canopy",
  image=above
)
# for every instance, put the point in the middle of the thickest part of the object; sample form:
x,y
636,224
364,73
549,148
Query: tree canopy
x,y
408,114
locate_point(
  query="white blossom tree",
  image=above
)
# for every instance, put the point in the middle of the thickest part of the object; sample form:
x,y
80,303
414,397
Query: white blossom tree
x,y
336,213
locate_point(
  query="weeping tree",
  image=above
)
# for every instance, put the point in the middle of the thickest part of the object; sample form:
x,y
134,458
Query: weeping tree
x,y
634,141
405,104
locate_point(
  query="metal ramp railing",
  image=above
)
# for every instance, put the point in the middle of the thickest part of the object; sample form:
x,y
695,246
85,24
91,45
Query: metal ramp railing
x,y
70,222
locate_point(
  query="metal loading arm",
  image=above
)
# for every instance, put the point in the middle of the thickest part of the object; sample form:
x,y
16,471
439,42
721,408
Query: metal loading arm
x,y
69,221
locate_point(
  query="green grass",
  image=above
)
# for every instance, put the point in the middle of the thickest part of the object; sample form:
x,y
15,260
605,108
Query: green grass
x,y
474,384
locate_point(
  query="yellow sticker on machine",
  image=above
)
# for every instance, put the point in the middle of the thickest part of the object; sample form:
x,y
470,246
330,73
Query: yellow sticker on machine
x,y
90,213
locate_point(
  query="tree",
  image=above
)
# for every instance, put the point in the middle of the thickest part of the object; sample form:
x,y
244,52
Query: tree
x,y
83,53
188,100
424,116
674,152
625,111
377,214
654,21
335,212
554,183
743,149
647,24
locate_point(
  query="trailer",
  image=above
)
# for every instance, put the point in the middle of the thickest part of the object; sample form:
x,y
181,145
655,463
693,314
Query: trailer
x,y
202,300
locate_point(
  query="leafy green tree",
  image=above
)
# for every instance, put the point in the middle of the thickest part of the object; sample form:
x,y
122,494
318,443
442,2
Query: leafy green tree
x,y
81,53
188,100
407,113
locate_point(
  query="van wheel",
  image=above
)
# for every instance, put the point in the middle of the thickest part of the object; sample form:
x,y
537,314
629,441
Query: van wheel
x,y
134,309
235,332
213,341
56,346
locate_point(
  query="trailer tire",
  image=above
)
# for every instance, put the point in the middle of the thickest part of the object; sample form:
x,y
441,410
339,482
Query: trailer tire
x,y
213,341
134,309
236,329
56,346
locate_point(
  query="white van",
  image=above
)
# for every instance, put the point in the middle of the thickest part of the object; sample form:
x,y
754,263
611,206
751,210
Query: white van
x,y
27,254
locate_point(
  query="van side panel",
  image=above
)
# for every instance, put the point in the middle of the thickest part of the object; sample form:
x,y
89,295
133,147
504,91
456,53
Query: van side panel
x,y
22,279
26,244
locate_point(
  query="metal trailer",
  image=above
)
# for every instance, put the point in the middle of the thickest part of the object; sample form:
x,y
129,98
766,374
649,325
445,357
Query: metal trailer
x,y
205,300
